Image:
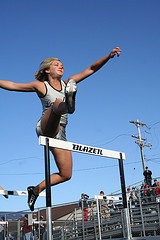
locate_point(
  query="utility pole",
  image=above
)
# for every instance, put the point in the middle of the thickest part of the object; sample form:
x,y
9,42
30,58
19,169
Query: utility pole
x,y
141,140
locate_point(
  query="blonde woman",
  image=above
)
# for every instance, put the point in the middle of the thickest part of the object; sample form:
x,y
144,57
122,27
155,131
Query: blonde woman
x,y
58,99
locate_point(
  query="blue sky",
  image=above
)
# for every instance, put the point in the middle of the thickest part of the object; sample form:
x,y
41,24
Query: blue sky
x,y
125,89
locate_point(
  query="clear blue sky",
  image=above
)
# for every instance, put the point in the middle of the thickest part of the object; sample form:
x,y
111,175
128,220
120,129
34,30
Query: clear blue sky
x,y
126,88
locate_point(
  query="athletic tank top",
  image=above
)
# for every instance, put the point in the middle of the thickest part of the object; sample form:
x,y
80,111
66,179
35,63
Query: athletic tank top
x,y
50,97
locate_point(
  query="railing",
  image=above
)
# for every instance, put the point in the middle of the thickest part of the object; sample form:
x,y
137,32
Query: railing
x,y
144,214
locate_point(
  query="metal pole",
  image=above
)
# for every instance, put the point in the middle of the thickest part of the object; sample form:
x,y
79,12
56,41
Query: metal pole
x,y
48,190
99,223
141,210
19,230
5,228
141,146
131,212
124,197
75,219
83,230
39,223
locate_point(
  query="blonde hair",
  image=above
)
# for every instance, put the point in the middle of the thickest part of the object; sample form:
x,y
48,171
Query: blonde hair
x,y
41,75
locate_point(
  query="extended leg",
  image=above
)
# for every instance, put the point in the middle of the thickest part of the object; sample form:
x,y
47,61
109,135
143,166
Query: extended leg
x,y
63,159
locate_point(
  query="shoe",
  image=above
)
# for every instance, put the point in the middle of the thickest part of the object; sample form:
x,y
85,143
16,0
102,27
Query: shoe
x,y
70,94
31,197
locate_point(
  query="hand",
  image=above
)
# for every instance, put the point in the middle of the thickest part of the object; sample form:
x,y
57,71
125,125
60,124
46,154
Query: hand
x,y
115,51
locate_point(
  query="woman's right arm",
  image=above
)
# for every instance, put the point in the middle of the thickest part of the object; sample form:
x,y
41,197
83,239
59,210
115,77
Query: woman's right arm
x,y
35,86
95,66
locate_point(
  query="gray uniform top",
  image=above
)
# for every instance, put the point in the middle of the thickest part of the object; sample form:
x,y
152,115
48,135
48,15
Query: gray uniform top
x,y
50,97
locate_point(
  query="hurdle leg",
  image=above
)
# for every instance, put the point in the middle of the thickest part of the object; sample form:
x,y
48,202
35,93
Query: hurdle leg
x,y
99,222
124,198
48,190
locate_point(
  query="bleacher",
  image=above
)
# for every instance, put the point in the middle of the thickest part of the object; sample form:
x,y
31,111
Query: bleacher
x,y
68,221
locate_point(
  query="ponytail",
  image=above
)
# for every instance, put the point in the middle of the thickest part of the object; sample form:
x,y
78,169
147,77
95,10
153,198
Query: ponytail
x,y
41,75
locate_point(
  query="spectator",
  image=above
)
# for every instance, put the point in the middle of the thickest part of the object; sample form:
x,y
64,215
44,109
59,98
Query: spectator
x,y
103,206
83,204
147,176
143,191
150,194
155,183
154,186
111,206
10,237
42,229
143,187
158,189
158,192
128,193
27,229
134,196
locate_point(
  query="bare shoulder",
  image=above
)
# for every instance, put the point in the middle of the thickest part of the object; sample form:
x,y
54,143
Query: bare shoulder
x,y
40,88
37,84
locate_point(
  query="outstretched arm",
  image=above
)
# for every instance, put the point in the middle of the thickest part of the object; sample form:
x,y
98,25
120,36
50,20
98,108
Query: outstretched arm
x,y
23,87
95,66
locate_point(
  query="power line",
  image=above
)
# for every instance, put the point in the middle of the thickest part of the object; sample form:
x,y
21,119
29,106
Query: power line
x,y
18,159
153,124
76,170
19,174
112,140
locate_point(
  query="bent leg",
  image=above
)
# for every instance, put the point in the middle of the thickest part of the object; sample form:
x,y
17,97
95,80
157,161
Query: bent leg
x,y
50,121
63,159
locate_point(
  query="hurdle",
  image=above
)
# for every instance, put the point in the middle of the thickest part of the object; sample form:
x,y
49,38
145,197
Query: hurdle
x,y
103,197
107,198
18,193
80,148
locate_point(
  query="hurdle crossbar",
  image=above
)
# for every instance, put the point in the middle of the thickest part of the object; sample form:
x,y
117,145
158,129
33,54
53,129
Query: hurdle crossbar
x,y
108,197
4,222
18,193
81,148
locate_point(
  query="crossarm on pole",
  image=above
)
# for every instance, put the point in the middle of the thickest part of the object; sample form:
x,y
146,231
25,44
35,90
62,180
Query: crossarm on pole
x,y
81,148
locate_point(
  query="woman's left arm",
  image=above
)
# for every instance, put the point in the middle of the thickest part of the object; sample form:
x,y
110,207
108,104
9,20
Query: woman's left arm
x,y
95,66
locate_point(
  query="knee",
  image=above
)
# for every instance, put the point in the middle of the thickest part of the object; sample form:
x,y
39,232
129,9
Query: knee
x,y
59,107
66,176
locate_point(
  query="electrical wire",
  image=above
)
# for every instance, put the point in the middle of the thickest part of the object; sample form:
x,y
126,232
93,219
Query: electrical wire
x,y
76,170
95,168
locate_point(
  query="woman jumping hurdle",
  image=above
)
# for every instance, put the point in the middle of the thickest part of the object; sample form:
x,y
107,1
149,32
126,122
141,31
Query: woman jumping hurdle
x,y
58,99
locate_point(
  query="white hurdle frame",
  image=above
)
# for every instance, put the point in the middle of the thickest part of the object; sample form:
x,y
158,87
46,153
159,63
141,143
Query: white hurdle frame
x,y
18,193
101,197
81,148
